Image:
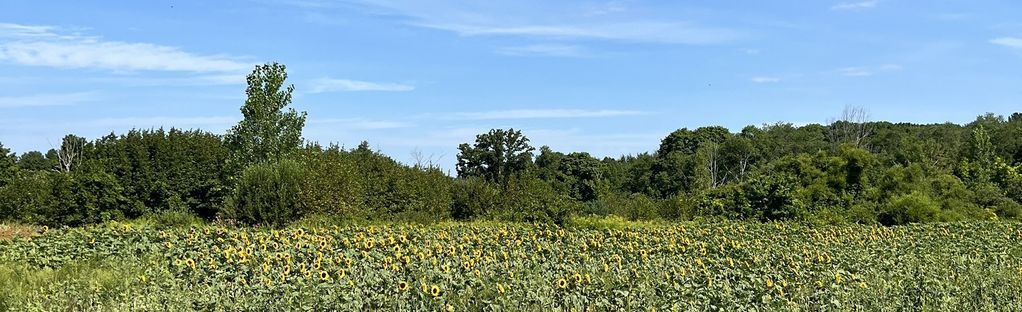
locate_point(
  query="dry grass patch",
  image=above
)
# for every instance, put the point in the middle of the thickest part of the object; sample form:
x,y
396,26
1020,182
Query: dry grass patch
x,y
9,231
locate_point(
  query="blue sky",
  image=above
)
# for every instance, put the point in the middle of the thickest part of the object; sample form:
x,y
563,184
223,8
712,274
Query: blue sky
x,y
608,77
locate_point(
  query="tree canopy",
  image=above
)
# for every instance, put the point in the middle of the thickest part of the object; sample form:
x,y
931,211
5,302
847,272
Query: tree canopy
x,y
496,155
269,130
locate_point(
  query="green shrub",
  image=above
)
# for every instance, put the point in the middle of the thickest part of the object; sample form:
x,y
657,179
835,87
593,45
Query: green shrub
x,y
473,197
910,208
176,218
1008,209
417,195
517,200
26,198
269,194
334,185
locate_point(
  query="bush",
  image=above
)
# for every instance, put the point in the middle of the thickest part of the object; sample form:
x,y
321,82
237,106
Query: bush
x,y
634,206
334,185
176,218
1008,209
517,200
269,194
473,197
86,196
27,198
910,208
416,194
532,200
762,197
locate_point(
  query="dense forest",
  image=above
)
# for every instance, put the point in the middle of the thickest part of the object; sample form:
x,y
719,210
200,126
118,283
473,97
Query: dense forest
x,y
262,171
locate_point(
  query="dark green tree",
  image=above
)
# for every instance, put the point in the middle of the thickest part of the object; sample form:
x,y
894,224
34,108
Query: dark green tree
x,y
8,165
495,156
35,160
578,174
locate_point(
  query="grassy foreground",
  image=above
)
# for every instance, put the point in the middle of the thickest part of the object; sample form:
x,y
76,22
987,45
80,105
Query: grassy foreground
x,y
595,266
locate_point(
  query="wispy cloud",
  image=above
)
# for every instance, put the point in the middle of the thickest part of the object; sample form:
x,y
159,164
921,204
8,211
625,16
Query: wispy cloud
x,y
953,16
606,8
323,85
644,31
360,123
1011,42
865,71
41,100
573,22
855,6
557,50
765,79
855,72
45,46
164,121
539,114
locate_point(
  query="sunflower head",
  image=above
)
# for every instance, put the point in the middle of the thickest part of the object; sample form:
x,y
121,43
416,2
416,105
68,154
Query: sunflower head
x,y
561,283
324,276
434,290
402,286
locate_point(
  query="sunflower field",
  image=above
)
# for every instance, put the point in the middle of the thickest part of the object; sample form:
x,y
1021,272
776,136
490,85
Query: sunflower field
x,y
973,266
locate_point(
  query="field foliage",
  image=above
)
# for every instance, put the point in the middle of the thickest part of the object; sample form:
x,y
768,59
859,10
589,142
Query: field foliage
x,y
592,265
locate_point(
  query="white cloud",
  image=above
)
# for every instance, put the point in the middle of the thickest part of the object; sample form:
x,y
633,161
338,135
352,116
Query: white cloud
x,y
237,78
544,50
8,30
1010,42
548,20
540,114
40,100
865,71
765,79
164,121
853,6
361,123
44,46
651,32
335,85
606,8
855,72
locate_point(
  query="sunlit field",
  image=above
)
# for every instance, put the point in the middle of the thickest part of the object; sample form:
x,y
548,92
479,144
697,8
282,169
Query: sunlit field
x,y
598,265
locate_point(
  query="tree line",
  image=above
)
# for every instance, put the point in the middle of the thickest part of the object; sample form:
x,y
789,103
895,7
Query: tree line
x,y
263,172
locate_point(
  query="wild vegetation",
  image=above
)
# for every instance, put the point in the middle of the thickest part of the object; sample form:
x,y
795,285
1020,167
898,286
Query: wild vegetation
x,y
779,216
